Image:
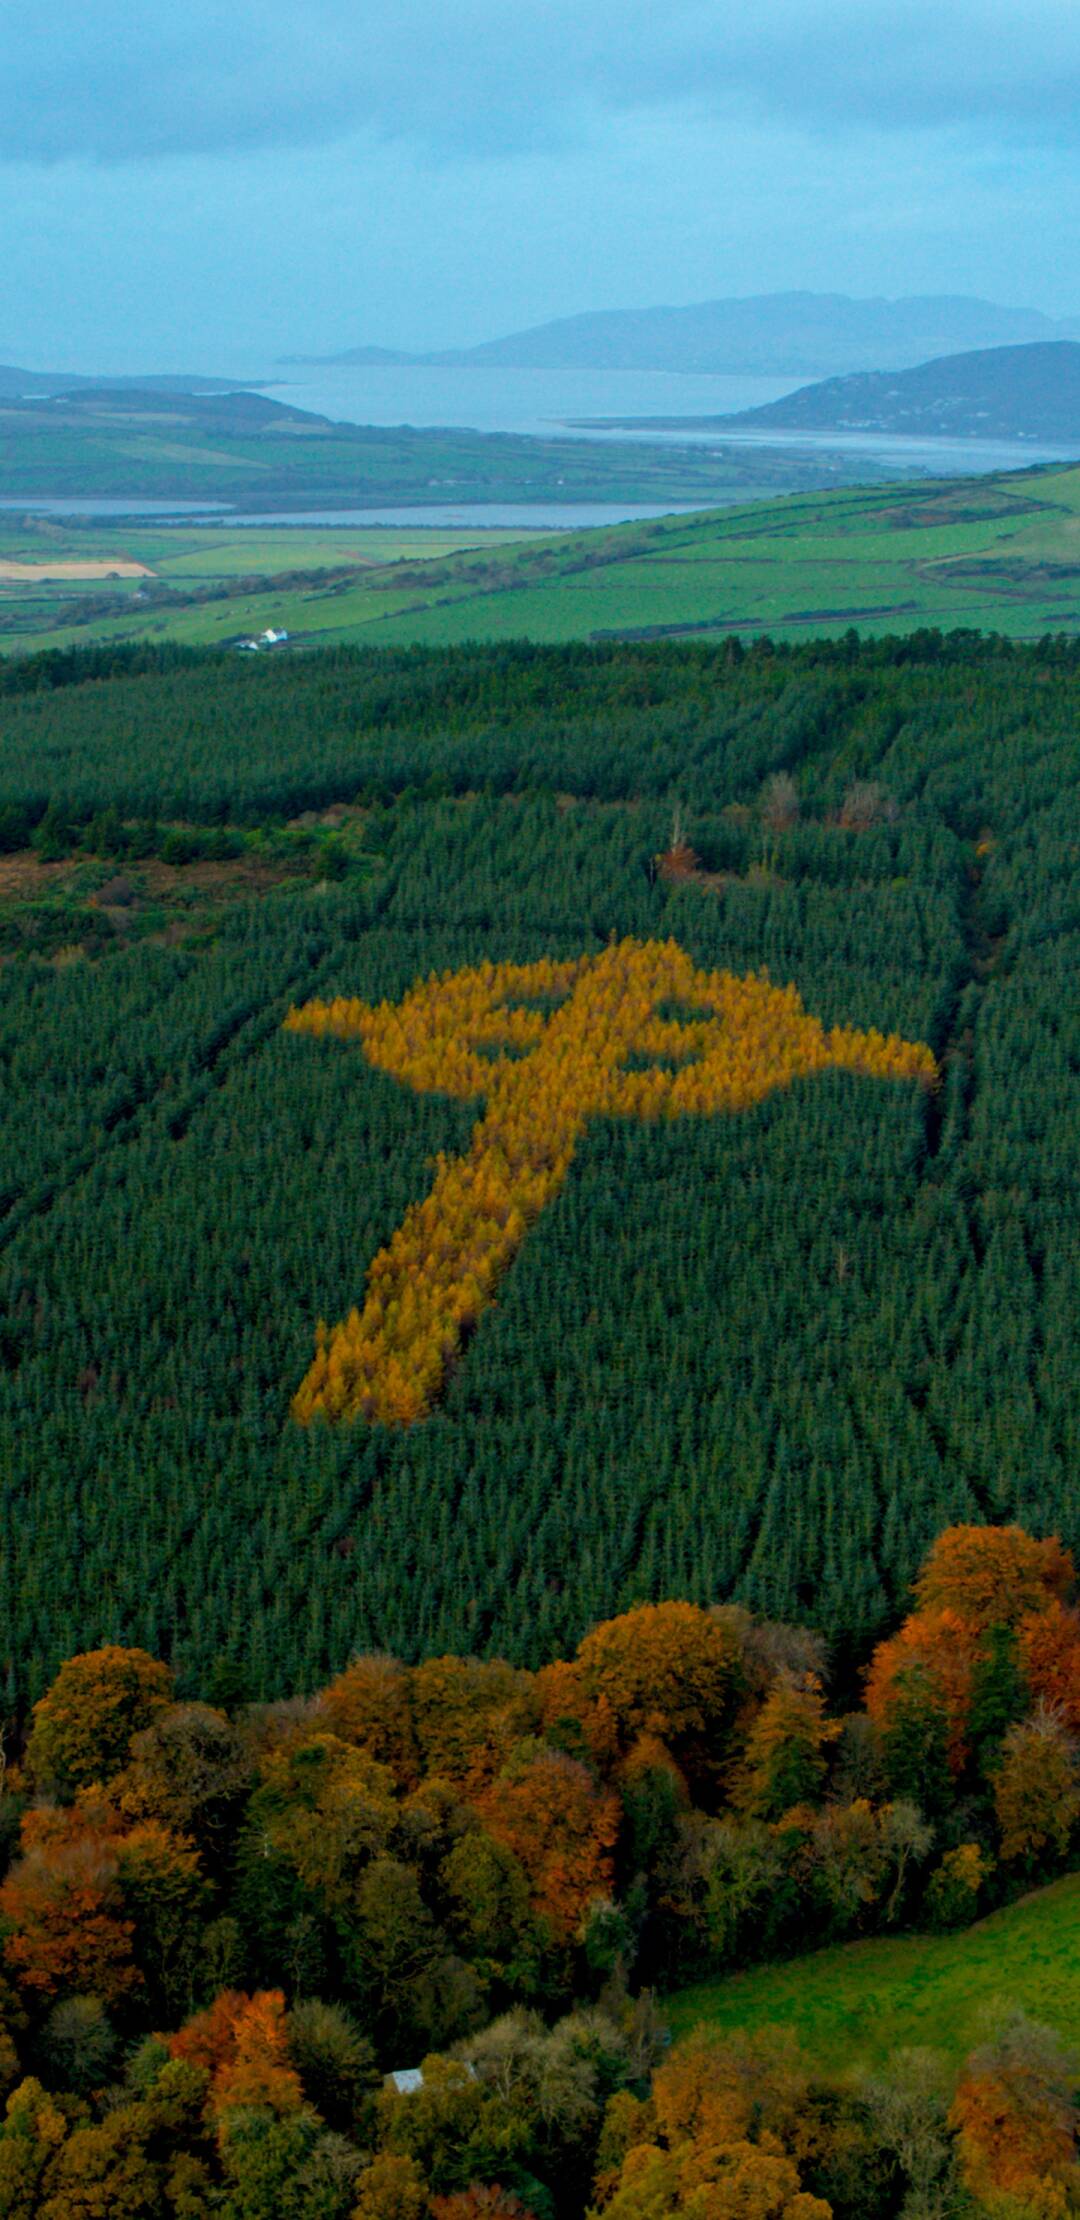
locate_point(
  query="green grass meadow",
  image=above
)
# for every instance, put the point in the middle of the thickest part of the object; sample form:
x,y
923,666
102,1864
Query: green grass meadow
x,y
997,554
853,2005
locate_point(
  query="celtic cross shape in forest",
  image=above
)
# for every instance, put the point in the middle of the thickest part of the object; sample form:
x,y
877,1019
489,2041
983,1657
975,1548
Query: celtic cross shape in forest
x,y
547,1046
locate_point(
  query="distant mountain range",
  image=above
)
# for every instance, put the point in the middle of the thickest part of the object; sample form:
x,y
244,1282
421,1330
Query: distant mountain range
x,y
20,385
809,335
1030,392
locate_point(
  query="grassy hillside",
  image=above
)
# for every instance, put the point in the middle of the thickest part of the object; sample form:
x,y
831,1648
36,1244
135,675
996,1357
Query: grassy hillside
x,y
851,2006
255,453
58,579
1000,553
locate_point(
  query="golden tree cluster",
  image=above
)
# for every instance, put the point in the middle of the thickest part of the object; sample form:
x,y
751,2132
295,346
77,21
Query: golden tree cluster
x,y
548,1046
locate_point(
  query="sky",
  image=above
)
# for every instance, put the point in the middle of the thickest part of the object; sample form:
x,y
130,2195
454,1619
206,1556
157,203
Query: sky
x,y
210,185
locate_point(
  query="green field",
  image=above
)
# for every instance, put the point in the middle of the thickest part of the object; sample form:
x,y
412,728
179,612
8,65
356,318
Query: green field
x,y
223,572
998,553
851,2006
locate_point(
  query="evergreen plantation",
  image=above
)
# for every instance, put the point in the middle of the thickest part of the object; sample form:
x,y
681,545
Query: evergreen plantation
x,y
765,1356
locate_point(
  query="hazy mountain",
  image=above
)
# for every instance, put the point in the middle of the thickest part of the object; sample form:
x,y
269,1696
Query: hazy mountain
x,y
16,385
770,335
1030,392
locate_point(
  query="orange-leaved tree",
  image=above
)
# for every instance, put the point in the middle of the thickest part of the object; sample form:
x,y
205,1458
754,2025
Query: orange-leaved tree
x,y
993,1575
63,1906
1015,2121
370,1705
736,2180
720,2139
1048,1646
923,1674
83,1727
547,1809
240,2041
672,1670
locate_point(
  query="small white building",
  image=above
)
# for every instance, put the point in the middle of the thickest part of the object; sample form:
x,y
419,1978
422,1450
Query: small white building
x,y
406,2080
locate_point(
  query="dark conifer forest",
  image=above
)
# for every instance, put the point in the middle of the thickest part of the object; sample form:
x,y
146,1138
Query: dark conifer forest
x,y
763,1356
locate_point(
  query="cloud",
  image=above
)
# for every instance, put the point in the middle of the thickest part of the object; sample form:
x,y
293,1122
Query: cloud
x,y
110,83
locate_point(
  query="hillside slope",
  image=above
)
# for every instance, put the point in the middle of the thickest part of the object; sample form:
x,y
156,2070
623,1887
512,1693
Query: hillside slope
x,y
18,384
999,554
853,2005
1028,392
254,452
767,1353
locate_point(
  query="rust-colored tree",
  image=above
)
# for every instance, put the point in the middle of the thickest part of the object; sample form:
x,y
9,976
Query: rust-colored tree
x,y
928,1667
561,1827
1048,1645
68,1932
370,1705
1015,2121
480,2202
241,2042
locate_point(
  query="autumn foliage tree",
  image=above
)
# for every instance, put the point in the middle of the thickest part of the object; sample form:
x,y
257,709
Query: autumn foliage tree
x,y
674,1671
560,1826
190,1767
785,1757
1015,2121
324,1809
166,1895
68,1928
392,2188
991,1630
83,1728
370,1705
918,1694
1037,1790
993,1575
241,2043
468,1713
1048,1645
718,2141
480,2203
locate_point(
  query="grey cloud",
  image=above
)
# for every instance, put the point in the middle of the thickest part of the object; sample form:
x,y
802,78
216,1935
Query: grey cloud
x,y
111,83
